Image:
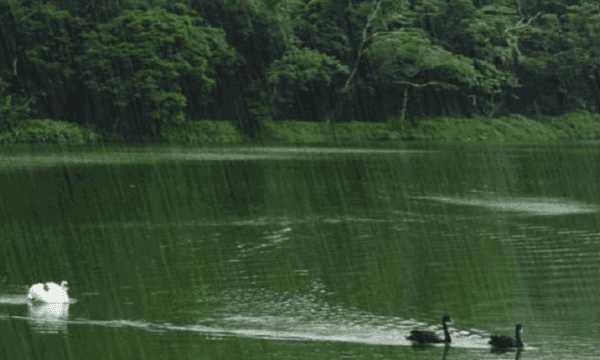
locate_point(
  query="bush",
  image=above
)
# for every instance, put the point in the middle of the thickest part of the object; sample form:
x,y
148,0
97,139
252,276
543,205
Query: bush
x,y
520,128
294,132
360,132
203,132
302,132
35,131
12,107
509,128
577,125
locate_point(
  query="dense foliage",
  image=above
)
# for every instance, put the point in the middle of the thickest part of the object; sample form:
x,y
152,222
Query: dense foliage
x,y
203,132
37,131
133,67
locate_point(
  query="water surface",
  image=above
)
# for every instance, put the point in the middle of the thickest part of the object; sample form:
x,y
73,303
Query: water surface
x,y
258,253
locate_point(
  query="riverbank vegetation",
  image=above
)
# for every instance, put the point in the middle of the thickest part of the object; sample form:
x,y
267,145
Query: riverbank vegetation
x,y
516,128
45,131
349,70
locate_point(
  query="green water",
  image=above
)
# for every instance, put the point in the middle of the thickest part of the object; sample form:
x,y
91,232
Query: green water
x,y
260,253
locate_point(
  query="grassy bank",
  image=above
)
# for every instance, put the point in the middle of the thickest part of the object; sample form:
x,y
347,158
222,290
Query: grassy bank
x,y
37,131
514,128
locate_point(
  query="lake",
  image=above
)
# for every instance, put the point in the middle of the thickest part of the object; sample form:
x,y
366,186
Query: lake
x,y
300,253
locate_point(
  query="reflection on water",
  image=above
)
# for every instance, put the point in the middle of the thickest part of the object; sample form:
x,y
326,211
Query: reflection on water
x,y
535,206
48,318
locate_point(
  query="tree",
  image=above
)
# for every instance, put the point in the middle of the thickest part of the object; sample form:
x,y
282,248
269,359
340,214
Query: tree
x,y
408,58
302,77
12,107
258,30
494,41
561,58
40,41
139,56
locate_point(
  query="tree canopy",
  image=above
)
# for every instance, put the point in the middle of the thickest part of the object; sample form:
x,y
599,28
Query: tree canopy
x,y
140,55
133,66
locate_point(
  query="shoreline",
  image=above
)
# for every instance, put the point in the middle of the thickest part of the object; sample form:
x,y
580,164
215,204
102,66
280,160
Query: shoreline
x,y
512,128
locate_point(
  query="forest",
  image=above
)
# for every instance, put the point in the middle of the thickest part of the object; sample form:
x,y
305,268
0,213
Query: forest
x,y
135,67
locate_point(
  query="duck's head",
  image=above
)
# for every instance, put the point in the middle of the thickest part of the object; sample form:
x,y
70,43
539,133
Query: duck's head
x,y
64,284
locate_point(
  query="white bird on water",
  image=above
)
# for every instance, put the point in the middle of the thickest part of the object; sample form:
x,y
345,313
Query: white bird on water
x,y
49,292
